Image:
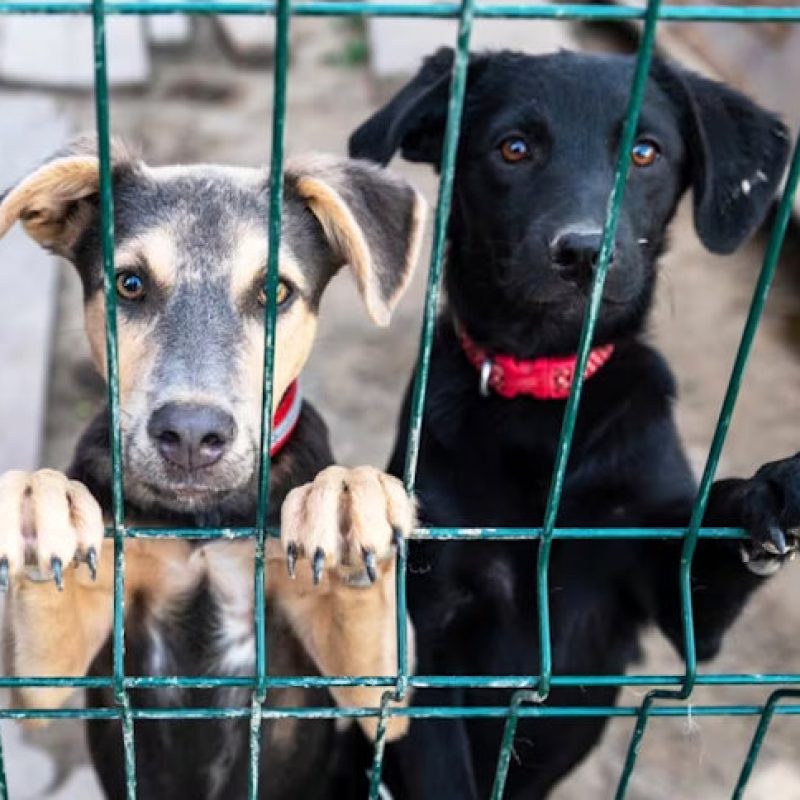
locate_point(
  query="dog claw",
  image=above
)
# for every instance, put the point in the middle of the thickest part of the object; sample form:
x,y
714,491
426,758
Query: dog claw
x,y
58,573
399,542
317,565
91,562
4,574
371,565
776,544
291,560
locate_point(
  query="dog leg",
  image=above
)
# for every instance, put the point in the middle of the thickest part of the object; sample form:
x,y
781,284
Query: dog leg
x,y
724,573
51,535
342,603
61,583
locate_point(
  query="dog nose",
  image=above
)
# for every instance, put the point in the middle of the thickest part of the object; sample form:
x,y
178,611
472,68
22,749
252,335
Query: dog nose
x,y
576,250
191,436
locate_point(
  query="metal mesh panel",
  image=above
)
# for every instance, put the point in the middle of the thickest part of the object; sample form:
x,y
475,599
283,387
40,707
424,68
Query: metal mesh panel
x,y
530,690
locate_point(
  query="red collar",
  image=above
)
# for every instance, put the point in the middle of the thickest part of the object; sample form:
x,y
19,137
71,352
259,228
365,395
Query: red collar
x,y
285,419
548,378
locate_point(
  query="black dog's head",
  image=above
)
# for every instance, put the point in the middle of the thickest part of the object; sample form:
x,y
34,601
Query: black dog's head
x,y
539,143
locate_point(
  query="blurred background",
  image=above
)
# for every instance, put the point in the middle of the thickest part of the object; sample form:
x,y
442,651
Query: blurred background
x,y
199,89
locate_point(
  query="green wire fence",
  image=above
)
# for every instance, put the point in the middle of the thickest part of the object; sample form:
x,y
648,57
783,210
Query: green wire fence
x,y
529,691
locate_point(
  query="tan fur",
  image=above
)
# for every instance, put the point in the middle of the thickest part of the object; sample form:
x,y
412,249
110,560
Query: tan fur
x,y
135,353
157,249
249,261
344,232
13,485
40,199
415,245
46,201
60,633
317,175
346,630
294,339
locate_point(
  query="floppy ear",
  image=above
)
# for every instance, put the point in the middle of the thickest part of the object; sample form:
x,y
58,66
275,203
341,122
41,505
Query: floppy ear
x,y
372,220
57,201
413,121
737,153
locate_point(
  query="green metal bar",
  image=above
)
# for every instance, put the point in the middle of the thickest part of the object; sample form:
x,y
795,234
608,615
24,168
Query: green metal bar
x,y
401,627
528,689
645,711
112,362
3,781
458,86
615,200
507,743
414,681
758,739
412,712
256,722
758,302
270,321
568,11
444,534
449,151
380,748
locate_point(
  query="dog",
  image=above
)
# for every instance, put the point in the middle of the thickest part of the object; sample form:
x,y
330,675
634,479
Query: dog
x,y
535,165
190,260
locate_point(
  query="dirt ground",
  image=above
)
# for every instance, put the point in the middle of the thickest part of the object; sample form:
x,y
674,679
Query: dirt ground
x,y
201,107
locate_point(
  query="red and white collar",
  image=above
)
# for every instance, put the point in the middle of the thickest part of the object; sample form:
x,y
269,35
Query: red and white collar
x,y
285,419
547,378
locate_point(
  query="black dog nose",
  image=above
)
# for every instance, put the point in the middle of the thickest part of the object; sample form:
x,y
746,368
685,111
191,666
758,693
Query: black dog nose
x,y
191,436
576,250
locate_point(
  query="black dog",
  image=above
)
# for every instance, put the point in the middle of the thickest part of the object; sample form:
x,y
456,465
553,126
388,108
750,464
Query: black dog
x,y
535,166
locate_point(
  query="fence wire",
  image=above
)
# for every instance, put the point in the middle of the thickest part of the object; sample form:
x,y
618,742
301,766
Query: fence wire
x,y
528,691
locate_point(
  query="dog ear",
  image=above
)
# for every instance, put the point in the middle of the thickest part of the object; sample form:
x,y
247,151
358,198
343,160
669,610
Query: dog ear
x,y
57,202
372,220
413,121
737,155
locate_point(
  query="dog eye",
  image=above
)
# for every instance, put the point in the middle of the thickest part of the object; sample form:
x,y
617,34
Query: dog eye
x,y
514,149
284,292
130,286
644,153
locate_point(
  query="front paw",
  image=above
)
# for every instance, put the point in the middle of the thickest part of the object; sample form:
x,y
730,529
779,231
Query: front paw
x,y
771,513
46,522
348,521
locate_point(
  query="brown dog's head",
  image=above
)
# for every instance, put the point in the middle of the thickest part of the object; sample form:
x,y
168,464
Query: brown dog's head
x,y
190,257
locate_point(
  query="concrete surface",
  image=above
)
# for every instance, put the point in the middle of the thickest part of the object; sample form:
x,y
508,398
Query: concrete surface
x,y
398,45
200,107
28,303
249,39
57,51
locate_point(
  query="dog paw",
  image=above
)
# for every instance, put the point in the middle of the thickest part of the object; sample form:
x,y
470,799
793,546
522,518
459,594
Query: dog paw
x,y
47,521
771,513
347,520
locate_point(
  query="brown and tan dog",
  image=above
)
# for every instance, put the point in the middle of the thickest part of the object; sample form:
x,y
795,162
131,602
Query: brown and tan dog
x,y
190,256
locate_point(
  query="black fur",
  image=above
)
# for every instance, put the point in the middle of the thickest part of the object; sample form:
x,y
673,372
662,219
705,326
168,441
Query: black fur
x,y
488,461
